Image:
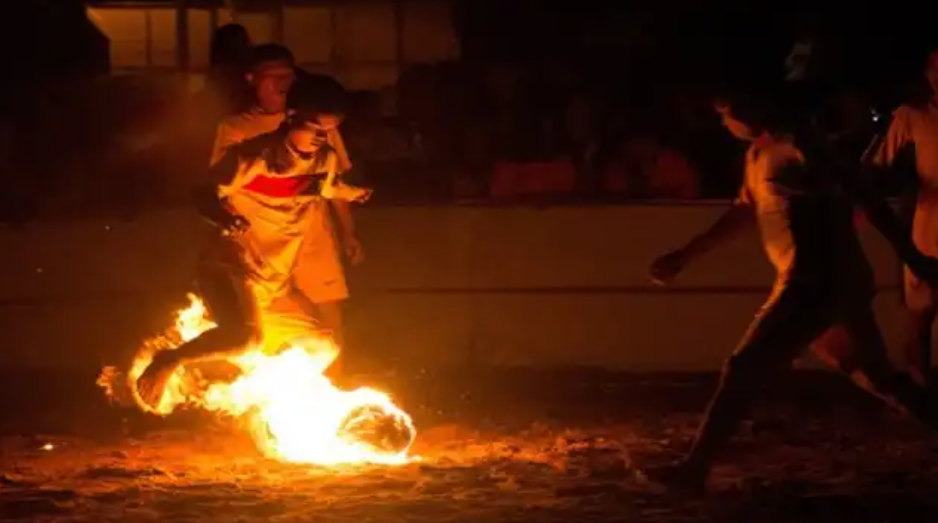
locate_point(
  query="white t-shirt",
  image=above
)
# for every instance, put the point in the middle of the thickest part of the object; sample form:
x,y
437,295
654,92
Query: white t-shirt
x,y
283,218
805,222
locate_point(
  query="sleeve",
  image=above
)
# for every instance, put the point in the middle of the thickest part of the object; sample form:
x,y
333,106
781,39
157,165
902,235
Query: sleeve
x,y
236,157
897,138
226,136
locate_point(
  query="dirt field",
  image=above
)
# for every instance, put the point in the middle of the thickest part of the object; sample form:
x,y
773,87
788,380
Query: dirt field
x,y
508,446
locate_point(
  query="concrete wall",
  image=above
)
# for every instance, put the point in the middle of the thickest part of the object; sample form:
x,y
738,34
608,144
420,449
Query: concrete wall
x,y
443,286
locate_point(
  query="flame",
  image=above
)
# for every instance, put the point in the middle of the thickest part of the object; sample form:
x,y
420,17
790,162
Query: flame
x,y
292,411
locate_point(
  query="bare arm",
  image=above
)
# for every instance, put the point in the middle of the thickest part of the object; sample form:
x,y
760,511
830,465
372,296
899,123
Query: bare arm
x,y
880,214
890,142
882,153
735,219
727,227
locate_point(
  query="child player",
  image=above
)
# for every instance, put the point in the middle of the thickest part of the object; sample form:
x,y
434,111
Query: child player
x,y
245,277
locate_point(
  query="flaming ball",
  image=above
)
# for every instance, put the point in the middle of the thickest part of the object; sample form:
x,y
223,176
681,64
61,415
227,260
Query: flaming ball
x,y
382,431
284,400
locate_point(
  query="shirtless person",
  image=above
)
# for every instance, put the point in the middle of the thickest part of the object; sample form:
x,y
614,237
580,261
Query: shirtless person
x,y
260,201
823,289
914,131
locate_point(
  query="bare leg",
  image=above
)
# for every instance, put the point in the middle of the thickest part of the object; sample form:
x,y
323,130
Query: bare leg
x,y
921,307
856,348
230,304
211,344
918,344
787,323
332,319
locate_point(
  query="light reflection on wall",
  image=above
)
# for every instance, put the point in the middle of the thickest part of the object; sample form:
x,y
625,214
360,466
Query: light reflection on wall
x,y
365,45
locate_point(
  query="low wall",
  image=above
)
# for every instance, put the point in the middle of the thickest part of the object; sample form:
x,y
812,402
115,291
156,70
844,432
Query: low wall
x,y
442,286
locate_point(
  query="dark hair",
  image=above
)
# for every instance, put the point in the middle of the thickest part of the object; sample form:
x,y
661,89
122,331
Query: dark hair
x,y
265,53
774,108
230,45
315,93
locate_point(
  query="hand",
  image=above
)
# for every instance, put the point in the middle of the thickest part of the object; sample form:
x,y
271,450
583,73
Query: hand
x,y
354,250
667,267
236,226
346,193
925,267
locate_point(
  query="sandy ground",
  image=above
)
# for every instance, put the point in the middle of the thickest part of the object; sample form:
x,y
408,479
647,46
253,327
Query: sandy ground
x,y
492,448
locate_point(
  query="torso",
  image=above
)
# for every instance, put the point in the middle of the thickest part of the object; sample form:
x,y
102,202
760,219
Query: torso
x,y
806,224
279,212
271,189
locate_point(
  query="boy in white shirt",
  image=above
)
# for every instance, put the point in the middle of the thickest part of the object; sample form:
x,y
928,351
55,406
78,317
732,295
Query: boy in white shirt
x,y
266,198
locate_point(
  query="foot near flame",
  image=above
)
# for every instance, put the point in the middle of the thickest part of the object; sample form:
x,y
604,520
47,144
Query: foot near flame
x,y
151,385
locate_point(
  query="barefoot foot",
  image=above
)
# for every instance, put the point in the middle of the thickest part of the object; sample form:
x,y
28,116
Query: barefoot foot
x,y
151,385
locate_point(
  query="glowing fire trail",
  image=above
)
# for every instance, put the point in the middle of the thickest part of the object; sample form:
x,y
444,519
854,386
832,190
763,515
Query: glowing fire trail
x,y
292,410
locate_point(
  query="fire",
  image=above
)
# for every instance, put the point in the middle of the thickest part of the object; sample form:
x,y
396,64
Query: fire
x,y
292,411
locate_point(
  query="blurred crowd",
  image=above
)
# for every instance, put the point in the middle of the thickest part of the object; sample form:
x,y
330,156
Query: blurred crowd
x,y
558,129
501,130
508,130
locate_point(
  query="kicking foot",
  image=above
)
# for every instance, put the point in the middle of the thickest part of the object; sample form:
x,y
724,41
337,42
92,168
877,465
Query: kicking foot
x,y
678,476
151,385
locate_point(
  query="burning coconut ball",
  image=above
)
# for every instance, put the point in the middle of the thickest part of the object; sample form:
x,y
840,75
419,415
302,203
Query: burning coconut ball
x,y
384,432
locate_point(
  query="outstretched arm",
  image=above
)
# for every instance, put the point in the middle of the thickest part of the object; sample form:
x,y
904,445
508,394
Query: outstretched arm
x,y
728,226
